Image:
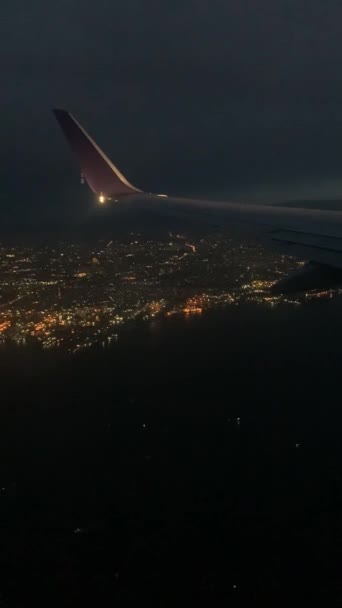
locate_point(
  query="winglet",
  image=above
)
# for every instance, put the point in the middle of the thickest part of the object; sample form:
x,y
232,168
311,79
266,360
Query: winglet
x,y
103,177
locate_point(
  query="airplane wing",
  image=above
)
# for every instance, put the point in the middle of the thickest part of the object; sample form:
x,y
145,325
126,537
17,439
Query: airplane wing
x,y
103,177
315,235
313,232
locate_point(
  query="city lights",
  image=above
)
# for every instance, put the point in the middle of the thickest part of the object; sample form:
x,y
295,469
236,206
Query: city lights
x,y
77,295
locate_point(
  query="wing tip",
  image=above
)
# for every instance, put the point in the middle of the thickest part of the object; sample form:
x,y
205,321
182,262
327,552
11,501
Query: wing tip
x,y
60,112
101,174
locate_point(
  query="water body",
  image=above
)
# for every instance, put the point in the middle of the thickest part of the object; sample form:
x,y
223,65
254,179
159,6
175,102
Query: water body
x,y
198,461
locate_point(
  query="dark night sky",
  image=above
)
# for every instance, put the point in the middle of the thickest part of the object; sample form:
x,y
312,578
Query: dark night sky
x,y
227,98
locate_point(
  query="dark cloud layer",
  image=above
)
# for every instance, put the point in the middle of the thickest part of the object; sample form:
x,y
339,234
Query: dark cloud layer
x,y
237,98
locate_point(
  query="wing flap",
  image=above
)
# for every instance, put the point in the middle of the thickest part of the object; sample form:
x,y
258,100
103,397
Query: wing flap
x,y
312,276
308,239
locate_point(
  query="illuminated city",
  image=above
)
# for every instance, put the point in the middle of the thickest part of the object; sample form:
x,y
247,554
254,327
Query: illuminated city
x,y
75,295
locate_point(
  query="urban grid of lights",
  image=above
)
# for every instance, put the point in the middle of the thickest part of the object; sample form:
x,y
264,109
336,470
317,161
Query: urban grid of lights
x,y
75,295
